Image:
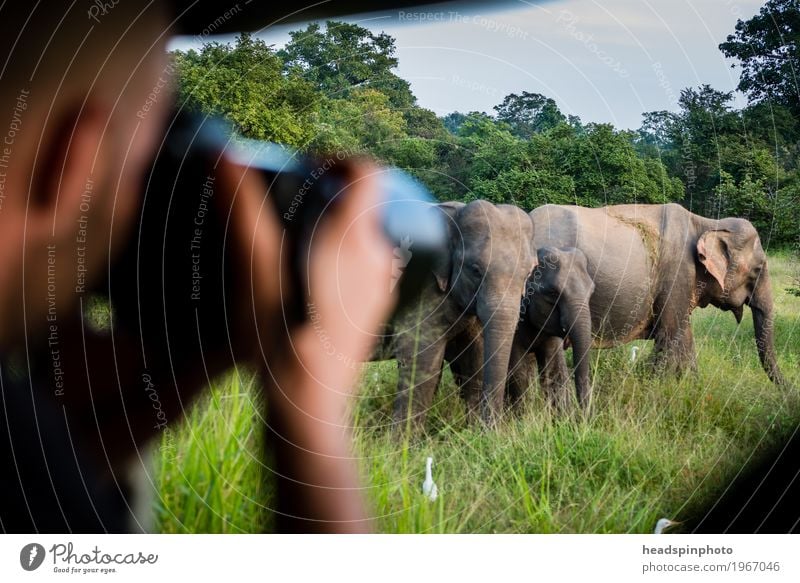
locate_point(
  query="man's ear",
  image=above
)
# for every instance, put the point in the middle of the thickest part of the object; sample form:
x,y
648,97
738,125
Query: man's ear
x,y
66,170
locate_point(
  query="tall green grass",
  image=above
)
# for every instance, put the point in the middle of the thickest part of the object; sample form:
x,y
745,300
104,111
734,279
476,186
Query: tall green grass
x,y
209,472
654,446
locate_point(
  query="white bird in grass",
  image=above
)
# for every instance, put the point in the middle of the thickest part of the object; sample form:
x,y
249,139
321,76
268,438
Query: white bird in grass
x,y
634,351
663,524
429,488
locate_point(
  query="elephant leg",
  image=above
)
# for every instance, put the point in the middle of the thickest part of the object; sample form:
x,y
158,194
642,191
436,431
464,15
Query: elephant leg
x,y
418,377
553,372
674,351
521,370
465,355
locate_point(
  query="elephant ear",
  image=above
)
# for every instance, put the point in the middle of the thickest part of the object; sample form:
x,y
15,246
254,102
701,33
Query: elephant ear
x,y
441,271
534,249
535,258
712,251
444,265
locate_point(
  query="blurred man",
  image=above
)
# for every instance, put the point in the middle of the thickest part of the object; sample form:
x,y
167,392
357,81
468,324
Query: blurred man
x,y
78,405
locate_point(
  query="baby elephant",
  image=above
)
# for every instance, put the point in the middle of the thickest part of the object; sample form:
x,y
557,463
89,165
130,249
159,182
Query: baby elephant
x,y
555,309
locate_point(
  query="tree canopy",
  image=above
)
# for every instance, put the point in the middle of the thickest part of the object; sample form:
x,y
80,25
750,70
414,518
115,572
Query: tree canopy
x,y
341,57
529,113
334,88
246,84
767,48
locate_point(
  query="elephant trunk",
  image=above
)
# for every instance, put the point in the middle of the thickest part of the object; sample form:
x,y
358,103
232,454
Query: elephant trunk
x,y
499,324
576,319
763,323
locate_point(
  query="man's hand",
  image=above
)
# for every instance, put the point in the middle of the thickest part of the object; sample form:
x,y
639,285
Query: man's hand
x,y
311,369
349,267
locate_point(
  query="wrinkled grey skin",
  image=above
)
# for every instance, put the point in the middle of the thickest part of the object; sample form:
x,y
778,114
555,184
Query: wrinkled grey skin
x,y
469,313
653,264
555,308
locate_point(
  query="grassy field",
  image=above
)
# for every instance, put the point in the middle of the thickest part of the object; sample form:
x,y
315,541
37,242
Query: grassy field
x,y
655,447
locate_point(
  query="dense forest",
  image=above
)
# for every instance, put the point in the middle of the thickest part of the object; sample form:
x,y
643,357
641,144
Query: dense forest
x,y
333,88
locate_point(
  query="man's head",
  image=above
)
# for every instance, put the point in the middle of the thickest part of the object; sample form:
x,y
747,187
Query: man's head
x,y
82,101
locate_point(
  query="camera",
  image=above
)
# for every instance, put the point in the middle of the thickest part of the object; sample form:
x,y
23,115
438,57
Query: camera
x,y
175,277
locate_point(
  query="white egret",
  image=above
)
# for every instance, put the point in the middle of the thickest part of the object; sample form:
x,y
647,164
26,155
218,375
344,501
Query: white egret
x,y
429,488
634,352
663,524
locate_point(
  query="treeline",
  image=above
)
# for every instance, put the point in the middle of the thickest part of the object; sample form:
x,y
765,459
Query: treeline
x,y
332,88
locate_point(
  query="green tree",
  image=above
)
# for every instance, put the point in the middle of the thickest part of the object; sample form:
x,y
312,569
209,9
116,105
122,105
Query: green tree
x,y
747,198
732,163
688,142
776,127
342,57
529,113
245,83
590,165
489,161
786,216
607,169
453,121
767,47
423,123
658,130
365,122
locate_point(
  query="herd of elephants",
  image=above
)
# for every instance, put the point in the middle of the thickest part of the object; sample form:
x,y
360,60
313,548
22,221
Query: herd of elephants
x,y
517,289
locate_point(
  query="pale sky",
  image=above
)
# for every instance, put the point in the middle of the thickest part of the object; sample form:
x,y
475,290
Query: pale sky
x,y
606,61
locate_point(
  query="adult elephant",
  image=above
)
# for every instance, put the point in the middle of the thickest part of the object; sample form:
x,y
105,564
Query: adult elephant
x,y
469,312
652,265
555,309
